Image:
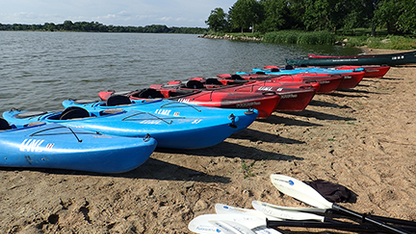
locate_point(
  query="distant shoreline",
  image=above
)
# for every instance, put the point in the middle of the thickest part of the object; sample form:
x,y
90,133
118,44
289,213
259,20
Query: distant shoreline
x,y
231,37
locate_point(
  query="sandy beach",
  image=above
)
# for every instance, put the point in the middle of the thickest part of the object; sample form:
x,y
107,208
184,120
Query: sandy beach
x,y
363,138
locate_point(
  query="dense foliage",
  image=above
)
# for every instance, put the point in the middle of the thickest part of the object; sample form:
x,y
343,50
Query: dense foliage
x,y
398,16
98,27
300,37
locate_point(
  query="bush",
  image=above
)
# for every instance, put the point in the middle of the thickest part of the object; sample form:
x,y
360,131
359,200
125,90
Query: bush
x,y
300,37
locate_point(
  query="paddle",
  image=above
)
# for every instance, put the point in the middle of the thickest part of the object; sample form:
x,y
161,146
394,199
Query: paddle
x,y
208,223
231,210
327,222
285,214
231,227
303,192
326,225
242,215
329,213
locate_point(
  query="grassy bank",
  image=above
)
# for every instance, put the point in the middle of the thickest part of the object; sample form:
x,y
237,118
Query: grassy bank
x,y
300,37
388,42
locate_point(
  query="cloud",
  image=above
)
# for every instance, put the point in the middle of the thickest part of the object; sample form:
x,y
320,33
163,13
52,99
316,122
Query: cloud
x,y
186,13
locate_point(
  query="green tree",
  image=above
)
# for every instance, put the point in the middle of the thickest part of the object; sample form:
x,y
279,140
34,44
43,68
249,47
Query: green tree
x,y
387,15
68,25
217,20
245,14
406,22
276,14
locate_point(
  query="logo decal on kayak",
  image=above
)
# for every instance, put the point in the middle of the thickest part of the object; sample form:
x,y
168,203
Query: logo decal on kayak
x,y
265,88
31,145
196,121
248,104
184,100
151,122
289,96
162,112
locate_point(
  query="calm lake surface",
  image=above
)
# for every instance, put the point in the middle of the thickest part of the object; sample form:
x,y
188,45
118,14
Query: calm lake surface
x,y
38,70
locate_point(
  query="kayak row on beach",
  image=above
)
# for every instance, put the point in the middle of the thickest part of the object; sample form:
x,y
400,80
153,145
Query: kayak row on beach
x,y
120,132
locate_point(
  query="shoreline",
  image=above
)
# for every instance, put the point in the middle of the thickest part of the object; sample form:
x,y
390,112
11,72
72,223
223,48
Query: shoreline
x,y
362,138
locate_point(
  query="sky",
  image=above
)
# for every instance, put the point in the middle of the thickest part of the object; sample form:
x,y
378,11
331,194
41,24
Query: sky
x,y
172,13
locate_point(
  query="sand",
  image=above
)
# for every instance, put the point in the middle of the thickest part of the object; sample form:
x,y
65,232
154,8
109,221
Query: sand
x,y
362,138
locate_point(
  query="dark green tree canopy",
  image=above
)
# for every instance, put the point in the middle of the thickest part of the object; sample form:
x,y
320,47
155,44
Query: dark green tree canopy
x,y
217,20
246,14
398,16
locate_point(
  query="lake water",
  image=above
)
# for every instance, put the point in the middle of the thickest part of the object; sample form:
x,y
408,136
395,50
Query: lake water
x,y
38,70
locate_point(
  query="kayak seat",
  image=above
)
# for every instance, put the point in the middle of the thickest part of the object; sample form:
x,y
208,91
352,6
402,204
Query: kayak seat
x,y
180,92
194,84
74,113
236,77
150,93
116,100
288,67
274,70
4,125
213,81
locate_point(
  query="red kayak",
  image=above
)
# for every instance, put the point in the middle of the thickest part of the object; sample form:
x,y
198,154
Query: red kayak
x,y
292,99
220,82
370,71
265,102
351,79
327,82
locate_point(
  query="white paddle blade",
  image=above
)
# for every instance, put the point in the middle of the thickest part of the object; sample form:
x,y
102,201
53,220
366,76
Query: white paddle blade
x,y
300,191
203,227
226,209
231,227
265,230
271,210
201,223
300,209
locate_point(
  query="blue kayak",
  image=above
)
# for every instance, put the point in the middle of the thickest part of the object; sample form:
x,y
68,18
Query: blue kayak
x,y
291,71
164,107
169,131
49,145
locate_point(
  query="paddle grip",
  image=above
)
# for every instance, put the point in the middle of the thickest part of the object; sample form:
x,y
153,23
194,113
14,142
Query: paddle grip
x,y
367,219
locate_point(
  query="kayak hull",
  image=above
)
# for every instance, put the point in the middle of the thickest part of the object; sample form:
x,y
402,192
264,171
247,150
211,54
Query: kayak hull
x,y
170,132
169,108
58,147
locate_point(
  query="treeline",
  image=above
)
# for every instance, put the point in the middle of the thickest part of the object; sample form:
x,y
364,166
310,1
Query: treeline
x,y
396,16
99,27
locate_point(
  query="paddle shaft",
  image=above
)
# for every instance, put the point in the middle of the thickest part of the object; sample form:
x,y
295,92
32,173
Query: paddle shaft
x,y
336,214
367,219
328,225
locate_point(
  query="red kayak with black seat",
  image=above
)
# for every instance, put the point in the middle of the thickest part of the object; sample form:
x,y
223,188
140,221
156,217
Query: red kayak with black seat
x,y
292,99
352,74
327,82
265,102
